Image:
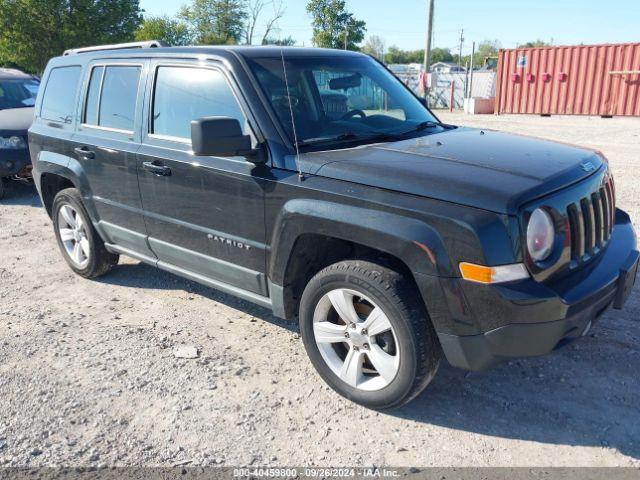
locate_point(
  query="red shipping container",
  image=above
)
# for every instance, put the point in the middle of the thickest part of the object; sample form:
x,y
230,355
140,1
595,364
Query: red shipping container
x,y
578,80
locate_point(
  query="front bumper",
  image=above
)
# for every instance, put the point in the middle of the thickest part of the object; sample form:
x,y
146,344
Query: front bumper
x,y
14,162
527,318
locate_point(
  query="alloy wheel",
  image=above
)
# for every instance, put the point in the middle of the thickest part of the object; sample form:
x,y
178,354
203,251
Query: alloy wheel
x,y
356,339
73,235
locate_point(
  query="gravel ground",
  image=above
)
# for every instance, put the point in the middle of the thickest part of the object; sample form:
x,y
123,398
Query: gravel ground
x,y
88,375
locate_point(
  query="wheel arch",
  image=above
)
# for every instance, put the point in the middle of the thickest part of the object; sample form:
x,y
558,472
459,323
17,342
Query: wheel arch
x,y
55,172
310,235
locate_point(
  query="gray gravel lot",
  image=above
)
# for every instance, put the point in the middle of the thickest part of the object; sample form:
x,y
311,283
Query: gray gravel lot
x,y
88,375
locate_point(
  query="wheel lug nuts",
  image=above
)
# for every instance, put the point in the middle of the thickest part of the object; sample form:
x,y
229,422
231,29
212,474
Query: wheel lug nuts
x,y
346,334
366,346
353,325
364,331
355,349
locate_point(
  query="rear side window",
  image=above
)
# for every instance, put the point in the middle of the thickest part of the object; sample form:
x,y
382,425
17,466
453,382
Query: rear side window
x,y
183,94
59,97
112,96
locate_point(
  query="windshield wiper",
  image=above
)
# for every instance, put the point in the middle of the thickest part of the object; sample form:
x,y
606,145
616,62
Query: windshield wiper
x,y
320,140
423,126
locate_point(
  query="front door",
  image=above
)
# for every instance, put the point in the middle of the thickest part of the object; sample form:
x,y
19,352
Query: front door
x,y
204,215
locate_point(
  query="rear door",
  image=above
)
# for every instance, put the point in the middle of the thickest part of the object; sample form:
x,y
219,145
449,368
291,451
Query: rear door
x,y
204,215
106,144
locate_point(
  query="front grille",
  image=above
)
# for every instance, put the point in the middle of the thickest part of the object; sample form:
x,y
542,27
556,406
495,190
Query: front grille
x,y
591,221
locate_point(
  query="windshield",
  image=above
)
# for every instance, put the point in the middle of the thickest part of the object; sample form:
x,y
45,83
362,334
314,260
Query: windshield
x,y
18,93
340,99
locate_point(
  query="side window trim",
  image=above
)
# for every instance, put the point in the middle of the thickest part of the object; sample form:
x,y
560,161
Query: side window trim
x,y
107,64
83,121
148,125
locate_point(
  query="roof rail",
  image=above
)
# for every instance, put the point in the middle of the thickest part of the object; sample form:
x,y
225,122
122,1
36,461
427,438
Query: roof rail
x,y
117,46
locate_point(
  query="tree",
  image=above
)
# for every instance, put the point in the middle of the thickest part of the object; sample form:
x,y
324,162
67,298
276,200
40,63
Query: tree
x,y
35,30
333,26
486,48
170,30
284,42
440,55
256,8
216,22
535,43
374,46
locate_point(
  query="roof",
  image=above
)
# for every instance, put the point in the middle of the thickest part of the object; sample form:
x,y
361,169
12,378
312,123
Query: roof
x,y
247,51
13,74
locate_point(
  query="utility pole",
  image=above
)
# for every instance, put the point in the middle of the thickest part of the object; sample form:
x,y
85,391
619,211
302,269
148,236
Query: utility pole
x,y
460,50
427,49
346,37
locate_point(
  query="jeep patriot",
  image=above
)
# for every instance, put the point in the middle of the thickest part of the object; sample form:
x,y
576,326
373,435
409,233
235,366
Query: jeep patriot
x,y
315,184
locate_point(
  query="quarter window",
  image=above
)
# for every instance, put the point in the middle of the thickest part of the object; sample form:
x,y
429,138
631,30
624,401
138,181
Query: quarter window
x,y
58,102
183,94
112,96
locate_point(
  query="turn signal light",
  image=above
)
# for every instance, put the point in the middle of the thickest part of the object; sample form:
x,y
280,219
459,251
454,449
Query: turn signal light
x,y
499,274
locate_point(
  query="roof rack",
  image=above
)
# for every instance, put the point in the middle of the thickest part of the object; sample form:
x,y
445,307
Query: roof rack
x,y
117,46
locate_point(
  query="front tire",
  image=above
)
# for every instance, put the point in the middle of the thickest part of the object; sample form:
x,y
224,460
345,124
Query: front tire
x,y
368,335
80,244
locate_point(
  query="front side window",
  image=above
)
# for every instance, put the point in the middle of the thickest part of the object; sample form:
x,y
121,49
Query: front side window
x,y
183,94
58,102
334,99
112,96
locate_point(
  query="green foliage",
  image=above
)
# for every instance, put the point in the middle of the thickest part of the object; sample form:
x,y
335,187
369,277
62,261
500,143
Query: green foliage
x,y
32,31
374,46
395,55
485,49
333,25
284,42
535,43
173,31
216,22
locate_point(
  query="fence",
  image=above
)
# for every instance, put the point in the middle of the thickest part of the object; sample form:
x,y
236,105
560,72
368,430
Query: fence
x,y
482,86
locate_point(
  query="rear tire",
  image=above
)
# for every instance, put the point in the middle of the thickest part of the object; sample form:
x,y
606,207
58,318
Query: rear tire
x,y
384,362
79,242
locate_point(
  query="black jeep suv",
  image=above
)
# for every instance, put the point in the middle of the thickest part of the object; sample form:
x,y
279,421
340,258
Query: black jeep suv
x,y
314,183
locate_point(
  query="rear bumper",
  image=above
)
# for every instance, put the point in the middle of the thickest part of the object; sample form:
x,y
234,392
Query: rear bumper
x,y
13,162
524,319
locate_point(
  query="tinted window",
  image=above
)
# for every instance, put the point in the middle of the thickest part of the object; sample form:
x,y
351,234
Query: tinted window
x,y
93,96
119,95
60,93
183,94
17,93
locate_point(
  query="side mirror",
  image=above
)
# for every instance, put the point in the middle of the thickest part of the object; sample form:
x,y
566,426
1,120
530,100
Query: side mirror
x,y
219,137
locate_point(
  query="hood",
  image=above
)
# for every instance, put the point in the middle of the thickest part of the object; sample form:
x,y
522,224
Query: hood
x,y
479,168
16,120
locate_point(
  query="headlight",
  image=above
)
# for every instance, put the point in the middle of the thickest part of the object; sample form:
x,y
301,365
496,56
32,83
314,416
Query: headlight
x,y
540,235
12,143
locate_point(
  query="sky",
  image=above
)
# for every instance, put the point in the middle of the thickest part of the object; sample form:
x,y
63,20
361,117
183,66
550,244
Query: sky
x,y
403,22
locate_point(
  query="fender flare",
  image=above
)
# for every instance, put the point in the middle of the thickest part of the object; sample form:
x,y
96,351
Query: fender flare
x,y
66,167
410,240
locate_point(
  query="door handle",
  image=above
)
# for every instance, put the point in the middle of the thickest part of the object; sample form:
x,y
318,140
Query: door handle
x,y
84,152
157,169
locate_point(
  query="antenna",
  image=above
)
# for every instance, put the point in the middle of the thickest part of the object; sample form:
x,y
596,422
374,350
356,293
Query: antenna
x,y
293,121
